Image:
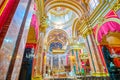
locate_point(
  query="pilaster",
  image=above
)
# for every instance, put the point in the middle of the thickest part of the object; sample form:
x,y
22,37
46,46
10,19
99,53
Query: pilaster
x,y
95,55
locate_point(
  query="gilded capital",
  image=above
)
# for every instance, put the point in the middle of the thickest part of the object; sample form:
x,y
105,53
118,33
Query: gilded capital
x,y
43,24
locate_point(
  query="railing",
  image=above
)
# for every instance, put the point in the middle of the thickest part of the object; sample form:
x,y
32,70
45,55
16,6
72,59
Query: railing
x,y
92,78
80,78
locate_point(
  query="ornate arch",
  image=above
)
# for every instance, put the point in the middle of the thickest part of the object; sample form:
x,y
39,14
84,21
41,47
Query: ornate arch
x,y
57,35
70,4
100,25
74,26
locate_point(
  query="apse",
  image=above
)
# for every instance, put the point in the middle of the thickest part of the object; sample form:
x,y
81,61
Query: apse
x,y
57,39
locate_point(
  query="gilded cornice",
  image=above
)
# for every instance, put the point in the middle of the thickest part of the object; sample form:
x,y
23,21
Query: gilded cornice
x,y
98,10
85,28
116,6
62,13
87,32
101,11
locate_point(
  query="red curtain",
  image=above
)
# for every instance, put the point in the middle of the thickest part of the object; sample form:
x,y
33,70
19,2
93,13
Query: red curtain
x,y
6,12
107,27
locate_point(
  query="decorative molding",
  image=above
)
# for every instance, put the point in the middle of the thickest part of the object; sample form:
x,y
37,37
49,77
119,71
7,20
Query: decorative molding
x,y
61,13
116,6
102,22
71,4
74,26
100,74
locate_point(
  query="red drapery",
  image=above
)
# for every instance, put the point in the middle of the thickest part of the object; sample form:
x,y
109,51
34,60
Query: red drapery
x,y
107,27
6,12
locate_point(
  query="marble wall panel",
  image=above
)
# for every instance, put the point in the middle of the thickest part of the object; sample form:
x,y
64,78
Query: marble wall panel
x,y
20,53
8,46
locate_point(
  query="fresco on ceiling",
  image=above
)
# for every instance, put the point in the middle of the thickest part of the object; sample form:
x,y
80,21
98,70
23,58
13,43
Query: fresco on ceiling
x,y
57,35
55,45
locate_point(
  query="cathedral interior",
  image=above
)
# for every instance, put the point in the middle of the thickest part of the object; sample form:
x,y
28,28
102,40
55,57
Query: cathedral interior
x,y
59,39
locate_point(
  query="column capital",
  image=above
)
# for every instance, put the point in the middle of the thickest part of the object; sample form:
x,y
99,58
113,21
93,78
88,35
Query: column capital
x,y
87,32
43,24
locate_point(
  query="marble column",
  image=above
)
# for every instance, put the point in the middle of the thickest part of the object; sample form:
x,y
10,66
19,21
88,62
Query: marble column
x,y
75,54
59,62
79,52
41,55
92,65
78,60
71,61
12,48
44,62
51,62
95,54
100,56
74,66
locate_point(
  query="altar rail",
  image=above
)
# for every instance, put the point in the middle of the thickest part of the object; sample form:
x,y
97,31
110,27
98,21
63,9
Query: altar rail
x,y
81,78
92,78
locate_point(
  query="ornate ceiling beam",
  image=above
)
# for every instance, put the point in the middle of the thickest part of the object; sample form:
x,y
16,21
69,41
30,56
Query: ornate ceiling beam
x,y
70,4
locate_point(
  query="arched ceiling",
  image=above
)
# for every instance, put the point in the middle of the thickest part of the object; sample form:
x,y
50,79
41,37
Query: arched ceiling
x,y
62,13
65,15
61,17
57,36
73,5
